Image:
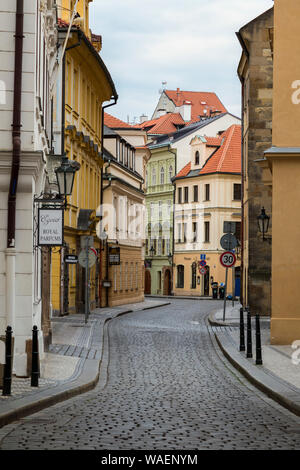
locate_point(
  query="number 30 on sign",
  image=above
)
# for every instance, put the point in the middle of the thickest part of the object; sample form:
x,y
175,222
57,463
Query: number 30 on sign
x,y
227,259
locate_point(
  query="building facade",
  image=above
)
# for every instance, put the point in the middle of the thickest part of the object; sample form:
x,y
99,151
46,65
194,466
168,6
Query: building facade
x,y
207,194
123,216
159,226
83,87
256,74
27,72
283,158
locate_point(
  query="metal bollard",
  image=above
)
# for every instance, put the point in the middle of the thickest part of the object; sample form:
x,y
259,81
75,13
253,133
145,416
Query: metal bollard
x,y
258,341
8,362
35,358
242,330
249,335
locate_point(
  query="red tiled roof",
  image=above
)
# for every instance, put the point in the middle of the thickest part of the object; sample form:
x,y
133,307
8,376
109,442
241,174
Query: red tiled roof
x,y
184,171
114,123
200,101
227,157
163,125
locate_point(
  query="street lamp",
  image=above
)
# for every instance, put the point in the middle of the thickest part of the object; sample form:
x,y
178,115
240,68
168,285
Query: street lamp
x,y
263,221
65,175
170,258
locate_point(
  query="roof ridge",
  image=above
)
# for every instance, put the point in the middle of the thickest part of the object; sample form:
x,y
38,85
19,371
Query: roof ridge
x,y
224,148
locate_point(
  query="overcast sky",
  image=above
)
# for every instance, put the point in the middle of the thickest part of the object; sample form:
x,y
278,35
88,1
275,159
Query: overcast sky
x,y
190,44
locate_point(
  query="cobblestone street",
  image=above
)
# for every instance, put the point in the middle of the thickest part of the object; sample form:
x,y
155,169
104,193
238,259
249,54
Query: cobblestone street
x,y
165,387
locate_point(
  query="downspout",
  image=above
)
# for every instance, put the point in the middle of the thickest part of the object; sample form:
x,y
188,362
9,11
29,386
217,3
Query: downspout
x,y
101,202
16,127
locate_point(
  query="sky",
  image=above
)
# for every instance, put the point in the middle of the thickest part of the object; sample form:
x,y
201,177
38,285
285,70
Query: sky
x,y
190,44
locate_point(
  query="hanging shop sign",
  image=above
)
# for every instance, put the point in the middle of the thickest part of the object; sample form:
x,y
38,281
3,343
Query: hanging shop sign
x,y
50,227
114,255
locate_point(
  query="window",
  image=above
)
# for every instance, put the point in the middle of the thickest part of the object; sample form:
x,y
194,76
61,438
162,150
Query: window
x,y
206,232
169,208
180,276
195,193
162,175
179,233
238,230
195,234
170,173
237,192
159,247
186,194
184,232
179,195
197,158
207,192
153,177
160,209
151,210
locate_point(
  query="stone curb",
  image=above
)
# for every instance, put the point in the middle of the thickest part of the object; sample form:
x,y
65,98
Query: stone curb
x,y
268,383
87,380
212,320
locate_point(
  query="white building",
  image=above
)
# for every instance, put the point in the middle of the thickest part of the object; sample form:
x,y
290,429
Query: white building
x,y
27,62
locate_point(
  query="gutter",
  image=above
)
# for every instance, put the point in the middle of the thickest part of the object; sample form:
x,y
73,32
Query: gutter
x,y
16,127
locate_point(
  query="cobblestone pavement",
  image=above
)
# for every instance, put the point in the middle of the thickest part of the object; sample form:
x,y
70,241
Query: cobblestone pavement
x,y
167,388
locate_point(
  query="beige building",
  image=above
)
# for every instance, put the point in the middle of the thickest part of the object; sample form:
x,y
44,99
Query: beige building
x,y
256,74
283,159
122,260
207,194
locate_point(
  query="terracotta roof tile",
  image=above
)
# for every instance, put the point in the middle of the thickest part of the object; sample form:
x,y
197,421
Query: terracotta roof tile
x,y
114,123
200,101
227,157
165,124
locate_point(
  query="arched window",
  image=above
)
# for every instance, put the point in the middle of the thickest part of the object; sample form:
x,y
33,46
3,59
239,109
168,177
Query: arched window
x,y
153,177
162,175
180,276
170,173
197,158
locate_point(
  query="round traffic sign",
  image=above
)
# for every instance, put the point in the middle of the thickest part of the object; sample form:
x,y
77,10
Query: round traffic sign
x,y
227,259
202,271
83,261
228,241
202,262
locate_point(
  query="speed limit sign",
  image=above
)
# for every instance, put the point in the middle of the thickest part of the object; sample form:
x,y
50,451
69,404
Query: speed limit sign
x,y
227,259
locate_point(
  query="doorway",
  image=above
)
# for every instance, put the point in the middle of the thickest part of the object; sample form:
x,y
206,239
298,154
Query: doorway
x,y
167,282
147,282
206,281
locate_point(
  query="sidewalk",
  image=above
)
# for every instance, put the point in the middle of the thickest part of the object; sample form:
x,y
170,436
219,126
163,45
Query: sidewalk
x,y
278,377
72,364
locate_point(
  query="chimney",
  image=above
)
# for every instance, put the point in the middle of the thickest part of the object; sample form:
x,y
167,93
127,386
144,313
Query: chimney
x,y
143,118
186,111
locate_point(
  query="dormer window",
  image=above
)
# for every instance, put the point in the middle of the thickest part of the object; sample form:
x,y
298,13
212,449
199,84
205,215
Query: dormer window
x,y
197,158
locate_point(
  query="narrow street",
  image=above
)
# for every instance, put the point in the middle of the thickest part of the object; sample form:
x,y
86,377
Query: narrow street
x,y
167,388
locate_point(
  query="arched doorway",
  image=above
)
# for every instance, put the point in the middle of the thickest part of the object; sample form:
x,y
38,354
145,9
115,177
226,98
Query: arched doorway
x,y
147,282
167,282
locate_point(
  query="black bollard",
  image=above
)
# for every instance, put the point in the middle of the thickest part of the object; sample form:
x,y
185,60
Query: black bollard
x,y
8,362
258,341
249,335
242,330
35,358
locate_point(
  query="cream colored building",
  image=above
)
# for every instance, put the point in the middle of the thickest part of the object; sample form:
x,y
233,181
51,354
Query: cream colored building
x,y
207,194
123,217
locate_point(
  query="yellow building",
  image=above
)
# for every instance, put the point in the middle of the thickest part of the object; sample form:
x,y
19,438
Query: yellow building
x,y
284,161
86,85
207,194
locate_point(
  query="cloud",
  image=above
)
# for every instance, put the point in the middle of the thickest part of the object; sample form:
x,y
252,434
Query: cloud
x,y
191,44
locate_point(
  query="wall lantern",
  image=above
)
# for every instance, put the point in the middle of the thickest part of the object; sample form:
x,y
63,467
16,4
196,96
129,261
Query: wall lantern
x,y
170,258
263,221
65,175
151,251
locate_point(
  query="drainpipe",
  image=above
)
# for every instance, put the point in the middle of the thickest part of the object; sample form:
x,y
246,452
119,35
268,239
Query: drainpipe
x,y
101,199
16,127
